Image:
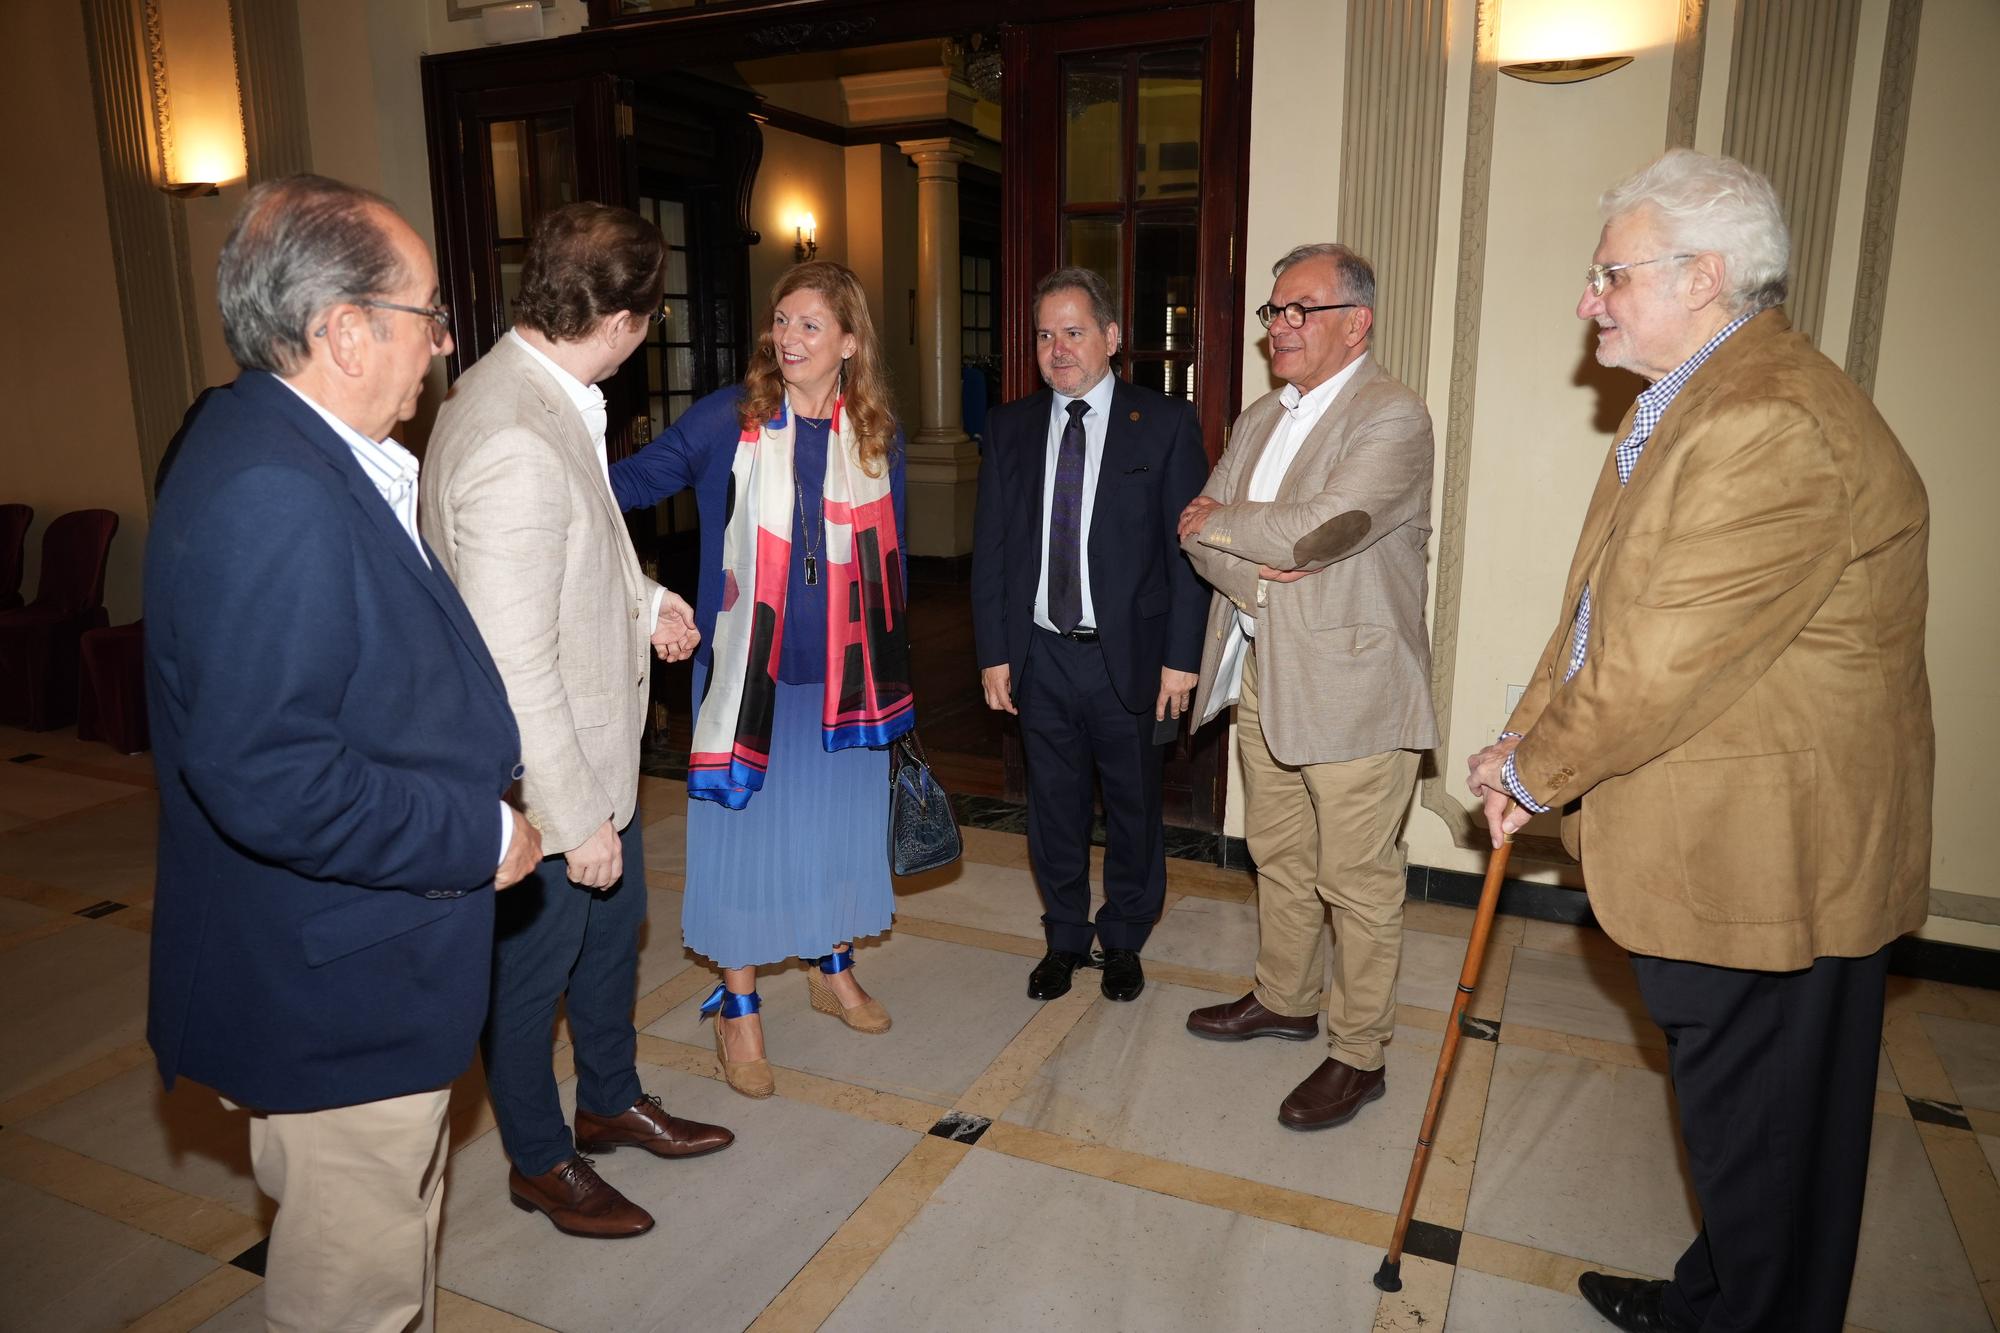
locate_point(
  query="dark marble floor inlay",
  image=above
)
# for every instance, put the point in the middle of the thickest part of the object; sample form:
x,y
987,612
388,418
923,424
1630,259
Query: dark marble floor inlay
x,y
1479,1029
105,908
1938,1113
1428,1240
961,1126
24,759
252,1260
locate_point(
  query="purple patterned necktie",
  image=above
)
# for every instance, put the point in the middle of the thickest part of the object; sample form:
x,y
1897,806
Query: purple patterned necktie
x,y
1066,526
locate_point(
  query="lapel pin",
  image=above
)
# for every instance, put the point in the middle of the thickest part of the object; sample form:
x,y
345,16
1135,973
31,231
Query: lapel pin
x,y
1135,416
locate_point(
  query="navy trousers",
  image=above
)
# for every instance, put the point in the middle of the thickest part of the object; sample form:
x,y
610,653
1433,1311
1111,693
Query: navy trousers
x,y
1074,730
1775,1075
554,940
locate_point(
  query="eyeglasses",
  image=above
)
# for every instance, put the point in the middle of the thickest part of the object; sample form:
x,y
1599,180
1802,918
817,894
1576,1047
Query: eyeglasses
x,y
658,317
1295,314
438,315
1598,276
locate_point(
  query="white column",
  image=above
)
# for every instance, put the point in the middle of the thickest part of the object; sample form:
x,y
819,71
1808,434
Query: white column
x,y
943,462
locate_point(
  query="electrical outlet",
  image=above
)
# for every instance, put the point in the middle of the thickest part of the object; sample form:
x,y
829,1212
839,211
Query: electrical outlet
x,y
1514,693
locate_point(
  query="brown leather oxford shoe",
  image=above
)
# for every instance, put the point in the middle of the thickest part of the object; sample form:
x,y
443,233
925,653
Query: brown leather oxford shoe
x,y
576,1199
647,1125
1240,1020
1330,1096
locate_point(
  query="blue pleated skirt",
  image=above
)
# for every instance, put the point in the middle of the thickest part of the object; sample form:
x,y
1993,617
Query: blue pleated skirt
x,y
805,865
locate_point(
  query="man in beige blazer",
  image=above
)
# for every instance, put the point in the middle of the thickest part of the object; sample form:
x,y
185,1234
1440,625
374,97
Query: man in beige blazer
x,y
517,502
1733,708
1312,530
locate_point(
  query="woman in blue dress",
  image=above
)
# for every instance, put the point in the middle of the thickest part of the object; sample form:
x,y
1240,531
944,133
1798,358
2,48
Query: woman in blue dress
x,y
803,672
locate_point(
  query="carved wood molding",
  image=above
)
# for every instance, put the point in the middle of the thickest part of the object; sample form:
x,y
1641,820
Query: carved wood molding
x,y
1885,181
1391,157
1789,82
149,251
1684,87
270,80
1466,830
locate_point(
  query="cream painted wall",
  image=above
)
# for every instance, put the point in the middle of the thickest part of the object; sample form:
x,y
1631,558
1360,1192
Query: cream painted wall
x,y
1544,413
1937,358
71,441
798,175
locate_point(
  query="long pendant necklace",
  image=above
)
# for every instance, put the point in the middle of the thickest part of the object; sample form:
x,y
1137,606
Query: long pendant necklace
x,y
812,539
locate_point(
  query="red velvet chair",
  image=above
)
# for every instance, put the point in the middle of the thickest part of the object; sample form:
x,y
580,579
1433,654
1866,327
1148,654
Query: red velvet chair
x,y
111,688
14,521
39,642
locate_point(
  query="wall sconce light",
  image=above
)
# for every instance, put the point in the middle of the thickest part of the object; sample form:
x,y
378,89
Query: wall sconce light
x,y
1565,71
806,238
198,139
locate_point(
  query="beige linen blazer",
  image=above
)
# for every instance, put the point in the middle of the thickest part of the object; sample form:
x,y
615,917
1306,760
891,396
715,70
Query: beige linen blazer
x,y
1343,660
1750,735
516,505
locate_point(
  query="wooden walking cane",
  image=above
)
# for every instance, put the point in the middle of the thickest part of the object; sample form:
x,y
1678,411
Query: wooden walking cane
x,y
1389,1277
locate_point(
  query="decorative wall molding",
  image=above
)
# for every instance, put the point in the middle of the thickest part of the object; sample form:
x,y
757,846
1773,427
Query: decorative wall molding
x,y
148,231
1885,180
1684,87
1470,295
270,79
1789,82
1392,154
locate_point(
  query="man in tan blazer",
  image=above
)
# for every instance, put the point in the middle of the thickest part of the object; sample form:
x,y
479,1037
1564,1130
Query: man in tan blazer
x,y
1312,531
517,502
1733,707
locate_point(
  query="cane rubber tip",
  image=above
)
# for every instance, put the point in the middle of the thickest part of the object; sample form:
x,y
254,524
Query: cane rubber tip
x,y
1389,1277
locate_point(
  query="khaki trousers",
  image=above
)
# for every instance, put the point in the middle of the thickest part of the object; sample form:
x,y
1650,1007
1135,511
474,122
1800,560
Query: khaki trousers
x,y
1324,837
359,1192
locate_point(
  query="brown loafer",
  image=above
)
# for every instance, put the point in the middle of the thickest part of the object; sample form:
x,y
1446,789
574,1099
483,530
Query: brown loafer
x,y
576,1199
1330,1096
647,1125
1240,1020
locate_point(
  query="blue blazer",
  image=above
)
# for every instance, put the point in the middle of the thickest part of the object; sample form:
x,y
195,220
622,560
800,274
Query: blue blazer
x,y
331,741
1150,605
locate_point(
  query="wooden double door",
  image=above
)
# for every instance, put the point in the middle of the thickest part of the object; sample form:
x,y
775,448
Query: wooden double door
x,y
1124,143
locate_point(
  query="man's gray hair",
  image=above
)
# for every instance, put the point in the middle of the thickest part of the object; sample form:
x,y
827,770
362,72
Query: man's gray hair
x,y
1356,275
301,244
1090,282
1713,205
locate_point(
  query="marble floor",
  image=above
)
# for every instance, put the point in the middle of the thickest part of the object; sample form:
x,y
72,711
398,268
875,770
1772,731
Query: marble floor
x,y
992,1163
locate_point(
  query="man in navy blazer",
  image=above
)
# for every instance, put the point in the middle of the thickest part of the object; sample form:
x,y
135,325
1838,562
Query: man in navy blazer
x,y
332,743
1087,620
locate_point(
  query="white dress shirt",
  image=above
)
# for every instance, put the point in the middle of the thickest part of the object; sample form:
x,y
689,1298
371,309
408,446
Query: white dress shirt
x,y
1095,422
1302,415
393,469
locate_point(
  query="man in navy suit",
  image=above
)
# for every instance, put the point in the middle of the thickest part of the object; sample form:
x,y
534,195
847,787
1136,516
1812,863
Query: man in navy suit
x,y
332,743
1087,620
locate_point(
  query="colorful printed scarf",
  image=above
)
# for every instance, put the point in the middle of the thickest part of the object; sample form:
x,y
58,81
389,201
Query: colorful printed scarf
x,y
868,700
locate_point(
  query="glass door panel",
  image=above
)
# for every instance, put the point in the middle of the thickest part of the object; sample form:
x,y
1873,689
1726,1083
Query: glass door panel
x,y
1098,243
1168,152
1094,130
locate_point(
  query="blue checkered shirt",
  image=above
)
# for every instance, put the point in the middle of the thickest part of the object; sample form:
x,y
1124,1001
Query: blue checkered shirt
x,y
1652,405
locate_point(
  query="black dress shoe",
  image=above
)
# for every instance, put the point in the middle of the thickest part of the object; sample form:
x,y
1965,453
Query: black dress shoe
x,y
1630,1303
1051,976
1123,977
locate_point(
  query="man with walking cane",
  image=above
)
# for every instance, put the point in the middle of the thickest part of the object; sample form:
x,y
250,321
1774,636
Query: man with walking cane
x,y
1734,709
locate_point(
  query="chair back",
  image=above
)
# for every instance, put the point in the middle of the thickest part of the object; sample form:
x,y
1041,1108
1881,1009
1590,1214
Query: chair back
x,y
75,550
14,523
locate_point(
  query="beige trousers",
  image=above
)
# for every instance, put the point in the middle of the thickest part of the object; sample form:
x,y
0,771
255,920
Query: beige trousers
x,y
359,1192
1324,837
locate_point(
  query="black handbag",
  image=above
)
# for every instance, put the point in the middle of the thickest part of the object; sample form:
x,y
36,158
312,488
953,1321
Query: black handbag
x,y
923,831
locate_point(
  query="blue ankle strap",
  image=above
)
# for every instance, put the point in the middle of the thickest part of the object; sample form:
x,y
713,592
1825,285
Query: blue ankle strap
x,y
838,961
729,1004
